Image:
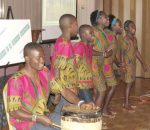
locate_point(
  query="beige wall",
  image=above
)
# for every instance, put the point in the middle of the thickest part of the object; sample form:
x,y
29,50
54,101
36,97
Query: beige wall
x,y
1,9
26,9
146,34
33,9
138,11
84,9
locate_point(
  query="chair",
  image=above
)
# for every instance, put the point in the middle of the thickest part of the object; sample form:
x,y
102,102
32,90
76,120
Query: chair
x,y
5,104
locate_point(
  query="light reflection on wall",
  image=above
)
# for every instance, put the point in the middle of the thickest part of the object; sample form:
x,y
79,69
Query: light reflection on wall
x,y
1,9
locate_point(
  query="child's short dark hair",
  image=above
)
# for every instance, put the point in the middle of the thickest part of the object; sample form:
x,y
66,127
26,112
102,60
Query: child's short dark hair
x,y
95,15
30,46
127,23
66,17
112,20
84,27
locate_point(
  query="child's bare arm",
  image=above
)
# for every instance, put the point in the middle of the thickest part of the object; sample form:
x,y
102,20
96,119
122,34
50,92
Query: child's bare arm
x,y
57,74
57,99
122,64
106,53
97,53
139,57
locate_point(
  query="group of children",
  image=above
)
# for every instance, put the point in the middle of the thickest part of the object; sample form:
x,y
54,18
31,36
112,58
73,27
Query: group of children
x,y
82,73
86,67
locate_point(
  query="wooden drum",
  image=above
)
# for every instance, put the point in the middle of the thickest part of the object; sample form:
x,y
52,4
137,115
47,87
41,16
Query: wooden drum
x,y
73,118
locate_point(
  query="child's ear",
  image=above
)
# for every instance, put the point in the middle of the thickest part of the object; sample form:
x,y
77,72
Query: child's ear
x,y
126,28
26,58
84,34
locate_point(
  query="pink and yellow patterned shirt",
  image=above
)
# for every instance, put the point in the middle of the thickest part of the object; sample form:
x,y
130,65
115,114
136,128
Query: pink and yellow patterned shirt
x,y
23,94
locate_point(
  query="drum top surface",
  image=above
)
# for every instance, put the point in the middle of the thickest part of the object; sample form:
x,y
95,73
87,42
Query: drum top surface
x,y
76,109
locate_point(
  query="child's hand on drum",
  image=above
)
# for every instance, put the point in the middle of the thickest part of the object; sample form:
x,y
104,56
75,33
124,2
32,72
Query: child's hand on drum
x,y
57,99
88,106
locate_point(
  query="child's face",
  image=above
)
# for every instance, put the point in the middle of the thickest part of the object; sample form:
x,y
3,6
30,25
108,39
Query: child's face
x,y
36,59
131,28
74,28
104,20
118,28
89,35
